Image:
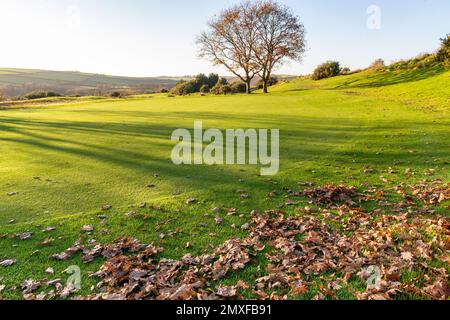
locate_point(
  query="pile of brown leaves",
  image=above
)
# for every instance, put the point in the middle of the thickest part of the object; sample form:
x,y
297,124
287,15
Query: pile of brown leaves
x,y
392,244
108,251
302,246
337,244
431,194
58,290
331,194
141,277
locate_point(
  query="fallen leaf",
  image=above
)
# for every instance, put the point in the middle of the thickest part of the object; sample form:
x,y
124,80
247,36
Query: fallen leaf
x,y
8,262
87,228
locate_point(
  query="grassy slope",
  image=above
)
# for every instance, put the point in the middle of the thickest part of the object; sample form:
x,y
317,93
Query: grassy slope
x,y
422,87
107,152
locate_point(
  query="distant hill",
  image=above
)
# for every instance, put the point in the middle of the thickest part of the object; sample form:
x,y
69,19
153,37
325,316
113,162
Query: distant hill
x,y
16,82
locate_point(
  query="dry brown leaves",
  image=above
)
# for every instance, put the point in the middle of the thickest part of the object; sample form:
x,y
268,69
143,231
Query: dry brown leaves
x,y
337,243
331,194
8,262
141,277
433,194
393,244
107,251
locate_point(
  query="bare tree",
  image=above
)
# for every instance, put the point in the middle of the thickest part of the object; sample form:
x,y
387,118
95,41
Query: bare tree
x,y
230,41
280,36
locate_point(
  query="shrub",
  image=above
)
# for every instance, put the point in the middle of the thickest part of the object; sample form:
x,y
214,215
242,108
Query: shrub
x,y
184,88
424,60
193,86
217,89
226,89
399,65
41,94
204,89
271,82
199,81
52,94
238,87
178,89
221,89
164,90
213,78
116,94
377,64
327,70
443,55
346,71
222,82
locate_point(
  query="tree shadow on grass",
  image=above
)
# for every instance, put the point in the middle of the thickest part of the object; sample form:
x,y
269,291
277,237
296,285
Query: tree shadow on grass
x,y
140,149
310,137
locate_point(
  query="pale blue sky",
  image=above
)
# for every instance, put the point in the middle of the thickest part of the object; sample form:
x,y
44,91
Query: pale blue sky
x,y
155,37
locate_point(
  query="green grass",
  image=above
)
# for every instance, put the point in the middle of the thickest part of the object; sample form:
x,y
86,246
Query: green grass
x,y
107,152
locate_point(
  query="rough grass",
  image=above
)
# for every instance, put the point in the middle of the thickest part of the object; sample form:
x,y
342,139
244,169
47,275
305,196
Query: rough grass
x,y
65,162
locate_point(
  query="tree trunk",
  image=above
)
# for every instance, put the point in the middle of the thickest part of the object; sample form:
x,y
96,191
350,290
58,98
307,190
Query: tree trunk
x,y
265,79
249,87
265,89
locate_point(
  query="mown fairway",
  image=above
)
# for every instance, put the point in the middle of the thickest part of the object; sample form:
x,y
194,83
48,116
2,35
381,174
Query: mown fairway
x,y
65,162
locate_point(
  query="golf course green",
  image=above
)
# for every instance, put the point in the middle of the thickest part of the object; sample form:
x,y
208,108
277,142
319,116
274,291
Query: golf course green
x,y
106,163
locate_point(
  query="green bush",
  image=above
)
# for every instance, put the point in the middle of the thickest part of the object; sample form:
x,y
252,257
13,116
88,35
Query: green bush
x,y
41,94
226,89
193,86
184,88
217,89
443,55
346,71
178,89
200,80
222,82
221,89
204,89
213,78
52,94
327,70
238,87
116,94
426,60
421,61
271,82
377,64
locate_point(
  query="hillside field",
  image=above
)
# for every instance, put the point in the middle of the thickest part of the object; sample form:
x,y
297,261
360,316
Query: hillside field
x,y
60,164
15,82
